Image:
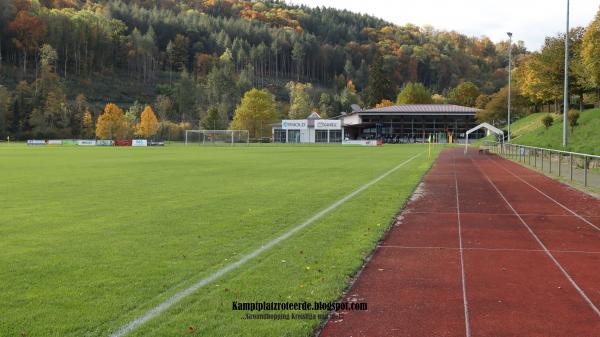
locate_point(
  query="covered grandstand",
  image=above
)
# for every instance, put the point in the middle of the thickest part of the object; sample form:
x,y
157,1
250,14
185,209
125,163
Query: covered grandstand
x,y
411,123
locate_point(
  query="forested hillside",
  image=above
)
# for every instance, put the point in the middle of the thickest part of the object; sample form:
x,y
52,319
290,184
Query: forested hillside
x,y
63,58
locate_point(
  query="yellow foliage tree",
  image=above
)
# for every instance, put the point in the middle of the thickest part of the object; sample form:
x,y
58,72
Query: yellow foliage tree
x,y
384,103
148,125
255,112
111,123
87,124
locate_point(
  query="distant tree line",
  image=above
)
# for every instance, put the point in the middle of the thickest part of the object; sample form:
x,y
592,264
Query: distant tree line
x,y
201,57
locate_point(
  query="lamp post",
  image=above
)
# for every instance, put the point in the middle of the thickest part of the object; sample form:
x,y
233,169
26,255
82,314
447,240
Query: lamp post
x,y
566,86
509,78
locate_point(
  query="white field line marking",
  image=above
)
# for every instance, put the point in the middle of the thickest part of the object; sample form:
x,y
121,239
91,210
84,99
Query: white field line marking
x,y
560,267
489,249
462,260
546,195
136,323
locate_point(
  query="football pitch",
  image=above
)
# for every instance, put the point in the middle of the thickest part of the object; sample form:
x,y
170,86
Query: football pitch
x,y
93,239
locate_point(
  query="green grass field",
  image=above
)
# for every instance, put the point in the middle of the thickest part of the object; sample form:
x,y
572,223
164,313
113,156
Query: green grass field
x,y
91,238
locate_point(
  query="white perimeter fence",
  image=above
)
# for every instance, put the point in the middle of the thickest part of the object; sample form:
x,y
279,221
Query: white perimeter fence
x,y
581,168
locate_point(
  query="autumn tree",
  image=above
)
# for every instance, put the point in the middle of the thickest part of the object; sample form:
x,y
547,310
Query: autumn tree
x,y
590,53
111,124
464,94
51,116
384,103
255,112
28,31
148,125
349,96
300,103
87,125
481,101
496,109
164,107
414,93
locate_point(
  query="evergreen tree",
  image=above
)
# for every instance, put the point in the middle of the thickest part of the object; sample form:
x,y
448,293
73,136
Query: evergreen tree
x,y
380,86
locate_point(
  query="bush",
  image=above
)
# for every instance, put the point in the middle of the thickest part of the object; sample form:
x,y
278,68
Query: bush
x,y
547,121
573,118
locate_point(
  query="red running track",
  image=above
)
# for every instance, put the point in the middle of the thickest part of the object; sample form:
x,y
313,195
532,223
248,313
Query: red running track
x,y
485,247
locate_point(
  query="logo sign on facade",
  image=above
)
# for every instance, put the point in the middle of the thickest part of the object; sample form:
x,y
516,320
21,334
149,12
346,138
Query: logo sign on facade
x,y
294,124
328,124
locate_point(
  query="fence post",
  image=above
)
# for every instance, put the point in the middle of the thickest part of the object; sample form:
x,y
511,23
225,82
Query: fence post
x,y
585,170
542,160
550,162
571,166
559,160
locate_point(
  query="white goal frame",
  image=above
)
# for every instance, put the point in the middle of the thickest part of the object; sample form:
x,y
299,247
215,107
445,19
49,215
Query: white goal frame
x,y
230,137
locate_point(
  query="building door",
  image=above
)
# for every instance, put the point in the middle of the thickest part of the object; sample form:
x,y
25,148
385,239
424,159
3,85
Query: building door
x,y
293,136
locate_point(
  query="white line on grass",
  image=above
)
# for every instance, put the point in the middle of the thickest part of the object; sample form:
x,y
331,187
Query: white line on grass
x,y
462,259
136,323
547,196
560,267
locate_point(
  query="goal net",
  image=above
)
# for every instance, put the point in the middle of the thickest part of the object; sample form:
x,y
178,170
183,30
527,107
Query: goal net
x,y
216,137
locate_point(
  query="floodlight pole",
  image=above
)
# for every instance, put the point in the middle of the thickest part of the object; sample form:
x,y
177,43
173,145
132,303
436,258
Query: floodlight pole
x,y
509,78
566,86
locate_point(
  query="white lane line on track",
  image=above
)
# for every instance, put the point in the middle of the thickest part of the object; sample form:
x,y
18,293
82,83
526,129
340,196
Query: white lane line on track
x,y
546,195
491,249
548,253
148,315
491,214
462,260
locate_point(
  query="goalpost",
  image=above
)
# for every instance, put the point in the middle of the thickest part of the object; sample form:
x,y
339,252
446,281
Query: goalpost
x,y
215,137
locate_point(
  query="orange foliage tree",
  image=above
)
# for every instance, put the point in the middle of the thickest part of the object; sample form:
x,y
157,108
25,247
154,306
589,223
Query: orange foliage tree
x,y
28,31
148,125
111,123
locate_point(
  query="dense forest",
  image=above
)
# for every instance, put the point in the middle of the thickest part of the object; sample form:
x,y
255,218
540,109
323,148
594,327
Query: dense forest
x,y
62,61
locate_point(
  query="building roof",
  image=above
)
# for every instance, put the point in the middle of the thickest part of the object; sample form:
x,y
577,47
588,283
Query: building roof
x,y
314,115
423,109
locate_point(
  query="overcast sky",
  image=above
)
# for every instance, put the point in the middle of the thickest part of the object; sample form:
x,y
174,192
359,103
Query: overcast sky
x,y
529,20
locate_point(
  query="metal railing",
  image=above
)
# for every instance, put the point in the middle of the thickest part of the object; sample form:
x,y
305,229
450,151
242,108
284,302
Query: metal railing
x,y
577,167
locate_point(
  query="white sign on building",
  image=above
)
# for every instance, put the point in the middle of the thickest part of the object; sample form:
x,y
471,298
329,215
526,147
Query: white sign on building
x,y
294,124
328,124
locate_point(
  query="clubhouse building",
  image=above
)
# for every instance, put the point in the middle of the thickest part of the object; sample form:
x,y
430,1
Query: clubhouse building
x,y
407,123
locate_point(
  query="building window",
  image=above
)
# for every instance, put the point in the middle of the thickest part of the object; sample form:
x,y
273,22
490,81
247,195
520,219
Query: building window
x,y
335,136
293,136
279,136
320,136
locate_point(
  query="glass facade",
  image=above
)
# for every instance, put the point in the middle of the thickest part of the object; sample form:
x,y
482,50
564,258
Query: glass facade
x,y
407,129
